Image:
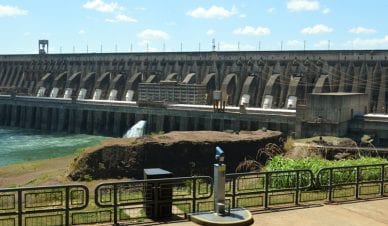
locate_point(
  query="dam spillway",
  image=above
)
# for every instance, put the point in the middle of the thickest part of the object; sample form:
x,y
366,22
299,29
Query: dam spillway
x,y
92,93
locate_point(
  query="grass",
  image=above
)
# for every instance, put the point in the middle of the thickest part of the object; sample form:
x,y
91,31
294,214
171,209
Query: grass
x,y
315,164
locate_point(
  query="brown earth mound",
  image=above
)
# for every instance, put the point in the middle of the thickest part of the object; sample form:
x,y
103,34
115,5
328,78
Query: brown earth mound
x,y
182,153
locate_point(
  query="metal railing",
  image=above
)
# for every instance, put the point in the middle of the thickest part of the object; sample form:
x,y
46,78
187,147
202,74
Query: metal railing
x,y
155,198
38,206
353,182
263,189
138,201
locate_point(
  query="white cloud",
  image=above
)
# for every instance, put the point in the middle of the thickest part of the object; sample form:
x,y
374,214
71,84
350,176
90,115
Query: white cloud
x,y
217,12
82,32
102,6
249,30
27,33
210,32
122,18
326,11
7,10
369,43
150,34
303,5
225,46
317,29
271,10
362,30
294,43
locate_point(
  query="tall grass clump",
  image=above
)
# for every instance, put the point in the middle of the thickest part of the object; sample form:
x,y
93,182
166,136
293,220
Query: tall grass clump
x,y
315,164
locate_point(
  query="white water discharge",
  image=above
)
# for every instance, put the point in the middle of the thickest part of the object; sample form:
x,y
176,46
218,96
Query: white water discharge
x,y
137,130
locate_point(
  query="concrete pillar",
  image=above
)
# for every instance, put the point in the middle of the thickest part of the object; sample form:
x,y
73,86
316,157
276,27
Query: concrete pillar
x,y
262,125
7,115
129,120
23,117
29,117
196,123
45,124
97,122
236,125
54,119
172,123
109,123
38,117
78,121
222,125
61,119
381,99
2,113
71,122
209,122
160,123
183,123
117,124
248,125
89,122
356,82
150,123
14,115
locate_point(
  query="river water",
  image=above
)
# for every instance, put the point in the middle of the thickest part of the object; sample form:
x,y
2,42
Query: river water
x,y
21,145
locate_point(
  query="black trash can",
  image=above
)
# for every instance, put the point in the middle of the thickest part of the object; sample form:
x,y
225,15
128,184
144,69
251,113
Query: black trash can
x,y
158,195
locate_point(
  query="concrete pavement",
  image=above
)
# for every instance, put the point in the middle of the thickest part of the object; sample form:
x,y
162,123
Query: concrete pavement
x,y
363,213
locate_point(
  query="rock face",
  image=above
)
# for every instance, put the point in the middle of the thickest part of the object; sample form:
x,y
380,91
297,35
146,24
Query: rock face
x,y
182,153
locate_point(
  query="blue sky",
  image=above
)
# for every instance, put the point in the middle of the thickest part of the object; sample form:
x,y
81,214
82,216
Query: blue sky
x,y
168,25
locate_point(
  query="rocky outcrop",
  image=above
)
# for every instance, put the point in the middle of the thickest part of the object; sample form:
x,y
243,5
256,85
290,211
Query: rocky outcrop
x,y
182,153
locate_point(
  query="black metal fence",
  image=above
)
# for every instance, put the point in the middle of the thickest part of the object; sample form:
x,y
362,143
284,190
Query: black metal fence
x,y
142,201
157,198
39,206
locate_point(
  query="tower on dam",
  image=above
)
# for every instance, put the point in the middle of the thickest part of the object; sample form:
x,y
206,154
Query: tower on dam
x,y
256,79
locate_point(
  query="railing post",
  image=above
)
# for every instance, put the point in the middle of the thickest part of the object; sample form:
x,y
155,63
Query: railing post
x,y
330,184
382,180
194,195
234,192
297,188
20,208
67,206
115,204
266,190
357,182
156,200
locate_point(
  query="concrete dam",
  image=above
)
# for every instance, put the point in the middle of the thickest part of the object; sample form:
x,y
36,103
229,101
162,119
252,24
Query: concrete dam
x,y
107,93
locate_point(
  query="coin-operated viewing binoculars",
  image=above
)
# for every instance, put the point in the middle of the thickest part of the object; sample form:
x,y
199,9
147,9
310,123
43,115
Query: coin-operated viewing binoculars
x,y
219,182
236,216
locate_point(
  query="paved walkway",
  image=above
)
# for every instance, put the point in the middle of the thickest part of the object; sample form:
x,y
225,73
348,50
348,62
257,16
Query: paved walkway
x,y
364,213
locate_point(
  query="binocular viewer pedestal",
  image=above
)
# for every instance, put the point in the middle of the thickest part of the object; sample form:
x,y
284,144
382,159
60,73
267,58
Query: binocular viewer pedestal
x,y
237,216
221,216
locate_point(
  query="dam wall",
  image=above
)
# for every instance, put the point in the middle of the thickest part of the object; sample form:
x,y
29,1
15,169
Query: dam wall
x,y
273,78
108,93
114,118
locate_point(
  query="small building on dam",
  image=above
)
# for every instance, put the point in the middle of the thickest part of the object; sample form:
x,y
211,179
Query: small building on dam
x,y
304,93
